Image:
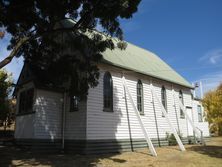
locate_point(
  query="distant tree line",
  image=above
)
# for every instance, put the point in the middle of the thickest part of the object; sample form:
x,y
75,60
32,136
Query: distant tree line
x,y
212,103
7,110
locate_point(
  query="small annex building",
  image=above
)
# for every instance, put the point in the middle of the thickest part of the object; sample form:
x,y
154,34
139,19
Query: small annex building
x,y
106,121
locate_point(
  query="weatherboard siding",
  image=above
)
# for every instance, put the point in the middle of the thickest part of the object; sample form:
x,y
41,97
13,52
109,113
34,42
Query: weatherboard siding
x,y
75,122
183,129
115,125
22,122
24,128
204,126
46,122
48,115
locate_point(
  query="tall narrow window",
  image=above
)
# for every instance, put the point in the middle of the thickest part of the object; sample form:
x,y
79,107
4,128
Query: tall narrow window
x,y
108,92
22,102
181,100
74,103
140,97
26,101
164,98
199,111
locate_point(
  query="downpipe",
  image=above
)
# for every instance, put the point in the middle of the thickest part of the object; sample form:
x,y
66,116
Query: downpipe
x,y
63,119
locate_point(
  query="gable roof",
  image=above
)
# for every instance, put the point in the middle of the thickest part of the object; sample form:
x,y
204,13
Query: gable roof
x,y
139,60
144,62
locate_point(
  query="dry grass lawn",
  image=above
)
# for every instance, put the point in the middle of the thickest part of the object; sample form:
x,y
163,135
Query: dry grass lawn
x,y
195,156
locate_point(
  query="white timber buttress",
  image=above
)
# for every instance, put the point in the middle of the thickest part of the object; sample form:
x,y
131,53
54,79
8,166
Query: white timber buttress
x,y
195,129
182,148
148,140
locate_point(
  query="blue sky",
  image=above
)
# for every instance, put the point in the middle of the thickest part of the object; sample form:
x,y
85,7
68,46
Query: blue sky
x,y
187,34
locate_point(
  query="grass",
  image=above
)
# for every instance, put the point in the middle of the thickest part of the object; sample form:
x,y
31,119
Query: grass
x,y
194,156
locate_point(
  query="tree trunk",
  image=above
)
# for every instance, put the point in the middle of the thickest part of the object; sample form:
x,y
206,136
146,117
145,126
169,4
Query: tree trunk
x,y
5,127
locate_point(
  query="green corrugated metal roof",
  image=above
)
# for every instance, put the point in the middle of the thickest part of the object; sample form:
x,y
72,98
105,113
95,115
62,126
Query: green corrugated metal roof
x,y
139,60
145,62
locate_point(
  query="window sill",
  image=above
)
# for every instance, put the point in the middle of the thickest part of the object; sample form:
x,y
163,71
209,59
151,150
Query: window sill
x,y
107,110
74,110
27,113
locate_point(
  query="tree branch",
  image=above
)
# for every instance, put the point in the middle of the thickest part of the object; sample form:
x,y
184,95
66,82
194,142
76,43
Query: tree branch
x,y
13,52
23,40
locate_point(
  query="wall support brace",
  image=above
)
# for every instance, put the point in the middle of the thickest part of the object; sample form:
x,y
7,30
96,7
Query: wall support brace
x,y
182,148
148,140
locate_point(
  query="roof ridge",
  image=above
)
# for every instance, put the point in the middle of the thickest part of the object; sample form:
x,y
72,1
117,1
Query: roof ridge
x,y
144,61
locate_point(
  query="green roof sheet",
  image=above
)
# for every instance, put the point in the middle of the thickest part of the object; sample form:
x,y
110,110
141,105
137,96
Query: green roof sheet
x,y
145,62
139,60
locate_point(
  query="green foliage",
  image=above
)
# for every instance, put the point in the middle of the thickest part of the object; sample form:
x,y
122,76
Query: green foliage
x,y
40,21
171,139
212,103
6,105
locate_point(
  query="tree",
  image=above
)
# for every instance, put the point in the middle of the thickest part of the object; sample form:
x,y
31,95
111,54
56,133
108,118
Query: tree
x,y
35,26
212,102
6,105
2,34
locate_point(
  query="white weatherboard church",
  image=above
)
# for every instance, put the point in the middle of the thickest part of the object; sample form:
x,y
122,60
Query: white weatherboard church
x,y
139,97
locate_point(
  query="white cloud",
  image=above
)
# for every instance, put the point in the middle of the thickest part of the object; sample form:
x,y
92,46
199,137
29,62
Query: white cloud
x,y
212,57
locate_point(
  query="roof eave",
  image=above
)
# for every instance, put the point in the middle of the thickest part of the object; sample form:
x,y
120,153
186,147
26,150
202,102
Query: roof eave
x,y
140,72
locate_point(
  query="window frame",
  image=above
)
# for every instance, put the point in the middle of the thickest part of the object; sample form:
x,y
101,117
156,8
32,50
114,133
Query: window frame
x,y
74,104
107,92
26,101
199,113
182,115
140,97
164,99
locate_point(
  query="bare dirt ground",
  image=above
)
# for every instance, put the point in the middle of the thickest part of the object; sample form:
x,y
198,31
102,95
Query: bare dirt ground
x,y
194,156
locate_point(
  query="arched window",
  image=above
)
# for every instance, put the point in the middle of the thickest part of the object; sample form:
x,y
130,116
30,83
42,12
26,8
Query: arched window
x,y
164,98
108,92
140,97
181,99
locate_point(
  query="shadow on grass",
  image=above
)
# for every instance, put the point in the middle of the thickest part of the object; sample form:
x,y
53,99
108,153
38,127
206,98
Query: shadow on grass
x,y
212,151
13,156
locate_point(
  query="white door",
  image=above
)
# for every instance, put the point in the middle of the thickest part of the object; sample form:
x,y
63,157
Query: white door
x,y
189,126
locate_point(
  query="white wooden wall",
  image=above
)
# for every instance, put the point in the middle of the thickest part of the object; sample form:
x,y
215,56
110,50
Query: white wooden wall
x,y
75,122
91,122
114,125
204,126
46,121
48,115
24,128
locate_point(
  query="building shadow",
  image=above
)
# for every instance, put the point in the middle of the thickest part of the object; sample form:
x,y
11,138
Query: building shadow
x,y
210,150
14,156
